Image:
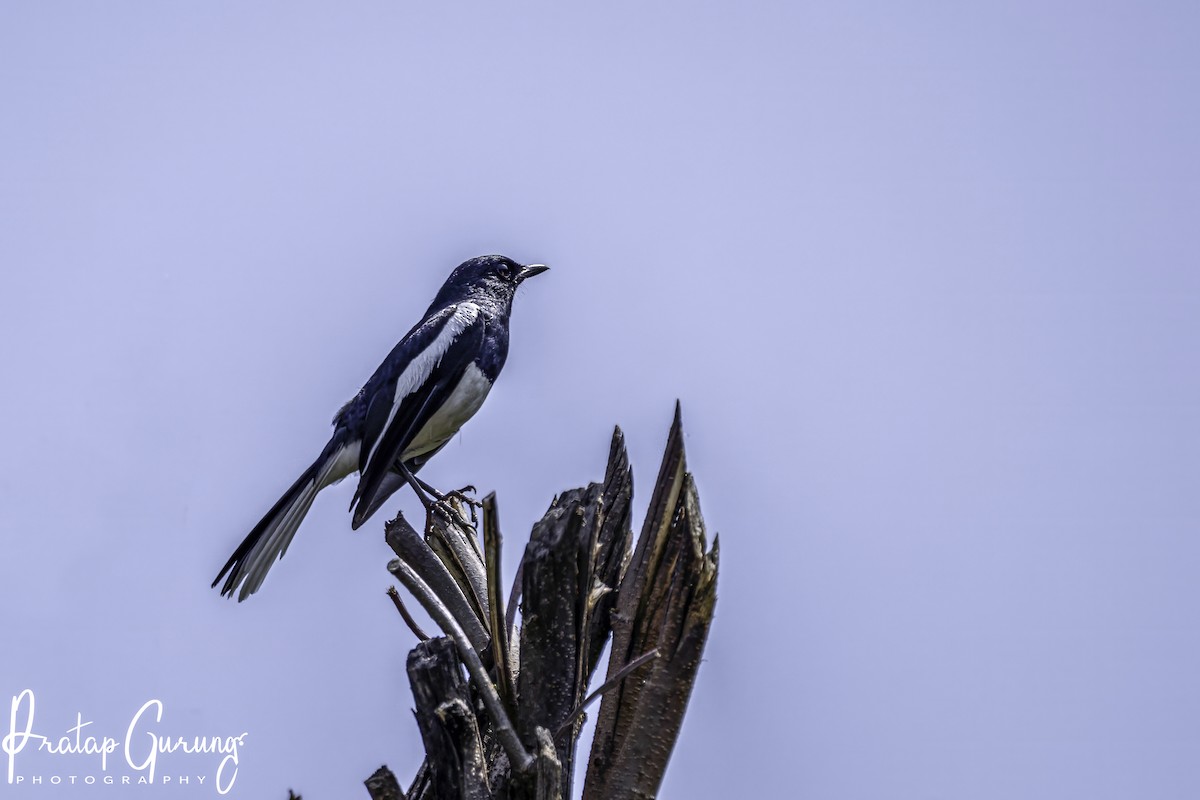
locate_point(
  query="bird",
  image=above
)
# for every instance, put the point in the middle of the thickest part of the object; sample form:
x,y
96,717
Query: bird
x,y
427,387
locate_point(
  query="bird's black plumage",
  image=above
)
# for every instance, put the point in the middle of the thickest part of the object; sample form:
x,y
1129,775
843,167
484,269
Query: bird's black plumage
x,y
434,379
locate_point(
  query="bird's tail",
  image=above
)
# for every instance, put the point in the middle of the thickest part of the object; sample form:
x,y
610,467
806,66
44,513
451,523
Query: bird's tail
x,y
270,538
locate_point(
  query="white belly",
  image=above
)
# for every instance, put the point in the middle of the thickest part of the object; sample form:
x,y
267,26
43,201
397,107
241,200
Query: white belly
x,y
462,404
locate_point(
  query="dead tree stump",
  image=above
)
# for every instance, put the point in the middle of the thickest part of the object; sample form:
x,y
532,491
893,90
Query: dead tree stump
x,y
500,703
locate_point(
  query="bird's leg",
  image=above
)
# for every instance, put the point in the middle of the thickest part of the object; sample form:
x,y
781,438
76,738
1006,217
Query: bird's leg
x,y
429,497
463,495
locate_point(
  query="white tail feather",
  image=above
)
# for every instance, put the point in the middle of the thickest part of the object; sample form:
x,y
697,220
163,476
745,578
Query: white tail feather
x,y
276,538
279,533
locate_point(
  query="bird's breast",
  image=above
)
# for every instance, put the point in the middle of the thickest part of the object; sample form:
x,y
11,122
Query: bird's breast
x,y
460,406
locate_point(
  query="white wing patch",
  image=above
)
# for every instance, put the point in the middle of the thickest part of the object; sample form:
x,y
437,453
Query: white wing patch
x,y
421,367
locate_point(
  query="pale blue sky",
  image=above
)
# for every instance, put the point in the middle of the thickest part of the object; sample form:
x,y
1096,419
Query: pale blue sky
x,y
923,275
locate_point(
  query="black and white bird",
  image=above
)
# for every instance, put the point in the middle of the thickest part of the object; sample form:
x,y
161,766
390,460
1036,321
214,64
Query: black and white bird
x,y
431,383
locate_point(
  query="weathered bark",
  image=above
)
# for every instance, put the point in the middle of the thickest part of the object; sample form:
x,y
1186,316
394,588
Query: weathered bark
x,y
513,736
614,539
571,566
413,550
506,665
501,722
446,721
459,551
666,602
544,781
382,785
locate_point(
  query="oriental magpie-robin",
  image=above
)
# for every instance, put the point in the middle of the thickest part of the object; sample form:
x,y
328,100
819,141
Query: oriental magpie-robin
x,y
431,383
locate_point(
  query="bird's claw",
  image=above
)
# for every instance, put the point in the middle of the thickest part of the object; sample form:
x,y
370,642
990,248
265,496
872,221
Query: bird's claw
x,y
463,495
445,503
443,507
449,512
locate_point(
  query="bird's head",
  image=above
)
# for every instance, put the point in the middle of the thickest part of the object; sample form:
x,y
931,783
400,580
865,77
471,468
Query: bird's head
x,y
489,278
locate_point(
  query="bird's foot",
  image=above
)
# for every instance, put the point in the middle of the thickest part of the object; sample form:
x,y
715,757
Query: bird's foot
x,y
463,496
452,507
445,510
446,504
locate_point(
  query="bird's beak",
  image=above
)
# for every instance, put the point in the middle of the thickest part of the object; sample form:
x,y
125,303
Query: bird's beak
x,y
531,270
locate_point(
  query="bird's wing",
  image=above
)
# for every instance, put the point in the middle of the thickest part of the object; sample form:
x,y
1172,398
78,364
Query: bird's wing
x,y
434,357
405,369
